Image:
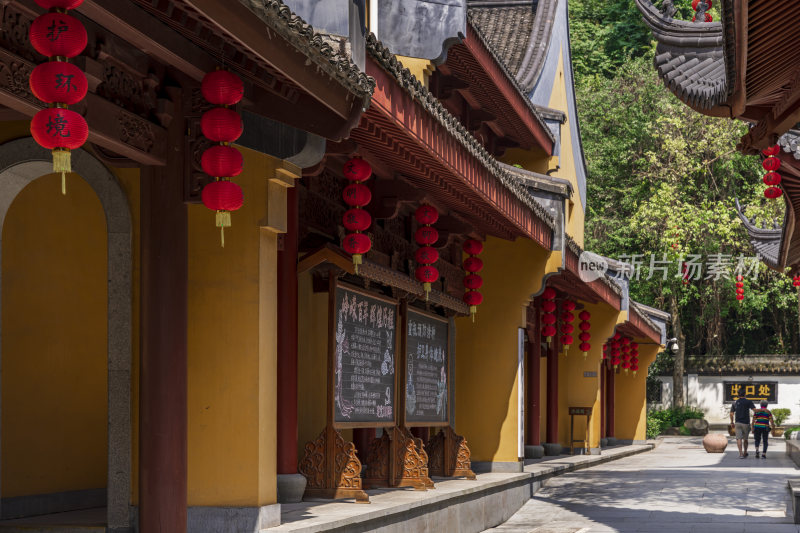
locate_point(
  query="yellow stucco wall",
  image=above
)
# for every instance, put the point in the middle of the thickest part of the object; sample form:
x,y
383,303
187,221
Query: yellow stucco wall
x,y
630,396
232,344
312,353
577,390
487,350
54,341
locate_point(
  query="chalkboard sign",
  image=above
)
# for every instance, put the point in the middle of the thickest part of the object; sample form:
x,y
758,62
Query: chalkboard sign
x,y
364,358
427,380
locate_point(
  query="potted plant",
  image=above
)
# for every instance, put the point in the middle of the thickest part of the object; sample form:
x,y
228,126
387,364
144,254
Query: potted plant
x,y
779,415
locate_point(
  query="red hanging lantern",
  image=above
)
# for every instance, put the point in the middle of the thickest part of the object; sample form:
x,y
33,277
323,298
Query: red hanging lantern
x,y
426,215
59,4
772,178
585,326
221,125
58,82
771,150
426,235
548,306
473,264
569,305
356,244
356,219
473,298
548,331
357,169
548,317
473,281
426,255
566,340
739,287
56,34
224,197
427,274
615,361
567,329
222,88
796,281
773,192
771,163
472,247
357,194
222,161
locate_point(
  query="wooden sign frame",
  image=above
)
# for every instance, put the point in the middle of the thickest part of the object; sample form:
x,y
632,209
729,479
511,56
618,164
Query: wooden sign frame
x,y
333,285
403,364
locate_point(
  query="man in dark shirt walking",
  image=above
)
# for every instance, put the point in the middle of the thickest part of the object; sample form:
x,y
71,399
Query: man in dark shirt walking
x,y
741,410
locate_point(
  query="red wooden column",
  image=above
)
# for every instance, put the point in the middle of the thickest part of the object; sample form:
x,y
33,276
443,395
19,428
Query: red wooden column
x,y
603,371
532,437
551,434
162,378
287,340
610,402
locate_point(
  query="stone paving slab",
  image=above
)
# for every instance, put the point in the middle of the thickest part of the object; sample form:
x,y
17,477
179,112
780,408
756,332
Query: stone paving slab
x,y
459,497
677,487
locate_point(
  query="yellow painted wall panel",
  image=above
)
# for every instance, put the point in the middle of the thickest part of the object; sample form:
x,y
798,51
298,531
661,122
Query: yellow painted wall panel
x,y
232,341
630,396
54,342
487,350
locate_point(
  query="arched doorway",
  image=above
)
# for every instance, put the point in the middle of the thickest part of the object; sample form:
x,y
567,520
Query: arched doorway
x,y
67,336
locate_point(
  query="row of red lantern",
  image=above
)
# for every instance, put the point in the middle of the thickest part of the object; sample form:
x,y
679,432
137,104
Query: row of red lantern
x,y
58,83
771,164
585,336
472,281
567,318
222,161
740,287
426,255
548,314
623,352
356,219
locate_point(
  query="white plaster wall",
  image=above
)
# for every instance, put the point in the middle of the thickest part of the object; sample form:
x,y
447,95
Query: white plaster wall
x,y
707,394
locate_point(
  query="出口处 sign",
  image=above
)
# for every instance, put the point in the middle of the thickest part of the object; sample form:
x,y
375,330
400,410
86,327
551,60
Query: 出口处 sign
x,y
364,357
756,391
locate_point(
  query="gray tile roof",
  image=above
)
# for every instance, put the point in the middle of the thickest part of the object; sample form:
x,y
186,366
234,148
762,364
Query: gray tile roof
x,y
518,32
765,241
690,57
790,143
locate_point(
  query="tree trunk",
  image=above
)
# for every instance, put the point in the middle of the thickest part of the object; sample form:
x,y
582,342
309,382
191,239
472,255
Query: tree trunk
x,y
677,372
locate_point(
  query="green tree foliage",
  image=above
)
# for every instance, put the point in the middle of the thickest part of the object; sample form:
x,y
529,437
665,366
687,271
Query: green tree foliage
x,y
663,180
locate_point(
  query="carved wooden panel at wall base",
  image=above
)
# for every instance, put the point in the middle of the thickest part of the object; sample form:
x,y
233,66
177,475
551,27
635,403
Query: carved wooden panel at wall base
x,y
397,459
332,468
449,455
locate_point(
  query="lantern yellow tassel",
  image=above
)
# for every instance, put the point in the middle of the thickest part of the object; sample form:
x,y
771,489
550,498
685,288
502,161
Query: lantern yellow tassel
x,y
62,163
473,309
223,221
427,287
357,260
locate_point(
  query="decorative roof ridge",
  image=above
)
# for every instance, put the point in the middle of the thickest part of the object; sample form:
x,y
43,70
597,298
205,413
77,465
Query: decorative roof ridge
x,y
575,248
650,310
680,33
551,114
761,233
482,38
644,316
564,186
280,18
538,45
434,107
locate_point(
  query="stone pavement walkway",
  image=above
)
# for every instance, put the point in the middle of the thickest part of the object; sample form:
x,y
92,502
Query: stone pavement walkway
x,y
677,487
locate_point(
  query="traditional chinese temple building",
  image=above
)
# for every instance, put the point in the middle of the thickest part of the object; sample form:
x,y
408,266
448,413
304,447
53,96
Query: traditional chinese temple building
x,y
737,68
372,310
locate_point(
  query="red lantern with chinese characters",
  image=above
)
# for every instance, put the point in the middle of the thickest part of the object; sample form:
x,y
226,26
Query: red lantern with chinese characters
x,y
585,336
472,281
356,220
56,34
772,150
771,163
357,195
773,192
548,317
426,255
771,178
58,83
222,161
